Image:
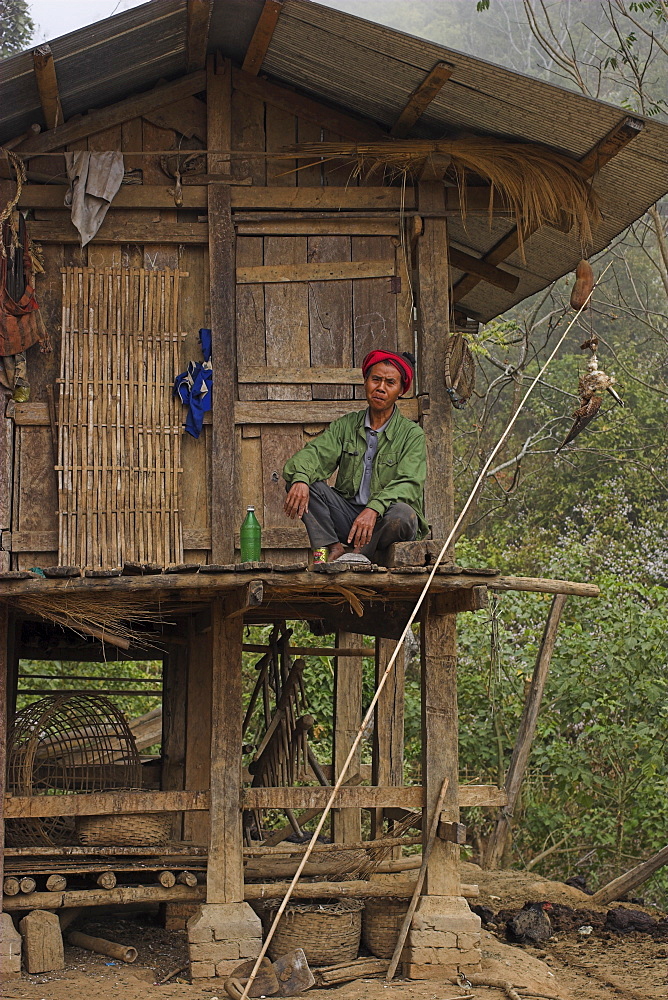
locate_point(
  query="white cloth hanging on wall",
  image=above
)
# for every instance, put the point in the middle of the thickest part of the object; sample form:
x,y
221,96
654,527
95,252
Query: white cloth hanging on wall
x,y
94,180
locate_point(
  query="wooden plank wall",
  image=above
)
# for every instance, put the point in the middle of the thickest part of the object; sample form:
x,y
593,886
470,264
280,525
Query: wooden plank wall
x,y
34,493
297,324
300,324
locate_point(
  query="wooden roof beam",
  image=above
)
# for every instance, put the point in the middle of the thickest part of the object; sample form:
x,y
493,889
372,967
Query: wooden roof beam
x,y
197,34
485,272
47,86
101,119
600,154
262,36
421,98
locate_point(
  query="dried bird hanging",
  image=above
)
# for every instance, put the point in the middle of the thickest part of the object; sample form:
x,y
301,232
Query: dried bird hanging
x,y
594,382
537,184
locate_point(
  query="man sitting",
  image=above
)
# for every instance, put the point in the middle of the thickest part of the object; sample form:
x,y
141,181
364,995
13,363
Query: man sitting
x,y
381,458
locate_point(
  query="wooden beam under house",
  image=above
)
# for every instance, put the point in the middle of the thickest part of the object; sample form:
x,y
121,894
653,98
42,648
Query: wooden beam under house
x,y
262,36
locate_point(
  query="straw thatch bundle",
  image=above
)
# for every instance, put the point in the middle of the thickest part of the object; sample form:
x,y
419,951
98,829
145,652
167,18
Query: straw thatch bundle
x,y
112,615
538,184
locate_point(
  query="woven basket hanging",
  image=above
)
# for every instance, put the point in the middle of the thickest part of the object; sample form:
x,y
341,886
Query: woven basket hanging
x,y
328,932
459,374
127,830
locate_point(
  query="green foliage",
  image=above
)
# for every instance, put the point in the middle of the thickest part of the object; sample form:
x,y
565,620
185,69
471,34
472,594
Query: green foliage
x,y
16,26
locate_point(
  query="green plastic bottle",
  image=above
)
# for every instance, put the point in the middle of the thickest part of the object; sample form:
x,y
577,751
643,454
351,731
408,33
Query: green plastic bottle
x,y
251,537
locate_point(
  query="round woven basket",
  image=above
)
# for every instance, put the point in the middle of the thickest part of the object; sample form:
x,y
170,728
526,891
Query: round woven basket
x,y
328,932
126,830
381,923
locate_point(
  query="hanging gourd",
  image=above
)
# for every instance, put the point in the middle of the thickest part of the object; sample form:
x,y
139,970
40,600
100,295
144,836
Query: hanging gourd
x,y
583,287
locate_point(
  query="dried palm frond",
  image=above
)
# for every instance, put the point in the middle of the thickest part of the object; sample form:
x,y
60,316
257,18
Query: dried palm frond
x,y
336,595
538,184
112,615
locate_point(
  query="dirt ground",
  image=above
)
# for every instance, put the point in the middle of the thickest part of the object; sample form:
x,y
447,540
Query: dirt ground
x,y
571,965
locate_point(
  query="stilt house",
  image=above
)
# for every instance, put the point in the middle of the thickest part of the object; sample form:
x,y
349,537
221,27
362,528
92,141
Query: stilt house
x,y
298,266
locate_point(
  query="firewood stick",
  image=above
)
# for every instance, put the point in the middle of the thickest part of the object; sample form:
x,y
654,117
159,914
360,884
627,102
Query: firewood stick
x,y
422,874
123,952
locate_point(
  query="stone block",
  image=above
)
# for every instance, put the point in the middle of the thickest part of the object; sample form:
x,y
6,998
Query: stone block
x,y
225,969
10,947
434,939
470,959
423,956
250,947
465,942
412,970
199,929
42,942
202,970
214,951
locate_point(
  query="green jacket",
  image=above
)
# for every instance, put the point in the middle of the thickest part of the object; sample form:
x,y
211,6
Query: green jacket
x,y
399,467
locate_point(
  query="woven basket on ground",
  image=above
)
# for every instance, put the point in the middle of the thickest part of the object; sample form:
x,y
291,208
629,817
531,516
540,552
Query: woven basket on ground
x,y
381,923
328,932
126,830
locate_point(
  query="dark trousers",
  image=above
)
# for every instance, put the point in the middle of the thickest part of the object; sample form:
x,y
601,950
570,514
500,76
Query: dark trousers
x,y
330,517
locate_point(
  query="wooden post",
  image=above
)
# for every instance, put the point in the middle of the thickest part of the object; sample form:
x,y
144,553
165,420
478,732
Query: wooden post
x,y
4,643
440,744
174,704
522,749
225,880
222,274
198,723
346,823
387,766
434,321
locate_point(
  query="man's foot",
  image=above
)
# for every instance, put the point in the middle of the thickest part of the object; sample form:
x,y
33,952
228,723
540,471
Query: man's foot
x,y
335,551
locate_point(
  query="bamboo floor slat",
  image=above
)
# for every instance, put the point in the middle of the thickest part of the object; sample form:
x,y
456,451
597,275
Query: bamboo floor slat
x,y
119,428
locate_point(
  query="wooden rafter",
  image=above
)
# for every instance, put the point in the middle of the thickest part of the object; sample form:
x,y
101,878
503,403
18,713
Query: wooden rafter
x,y
262,36
197,37
486,272
421,98
604,151
47,85
115,114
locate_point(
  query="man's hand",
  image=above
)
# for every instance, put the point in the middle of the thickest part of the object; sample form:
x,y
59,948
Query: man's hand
x,y
296,502
362,529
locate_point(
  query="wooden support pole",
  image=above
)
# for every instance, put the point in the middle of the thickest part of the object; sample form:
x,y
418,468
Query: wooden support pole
x,y
623,884
222,269
387,766
198,727
440,743
261,40
225,879
518,764
346,823
433,312
174,705
199,16
421,98
4,646
47,86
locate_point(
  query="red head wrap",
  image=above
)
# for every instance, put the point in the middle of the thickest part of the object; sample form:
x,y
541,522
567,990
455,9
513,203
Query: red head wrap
x,y
400,362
